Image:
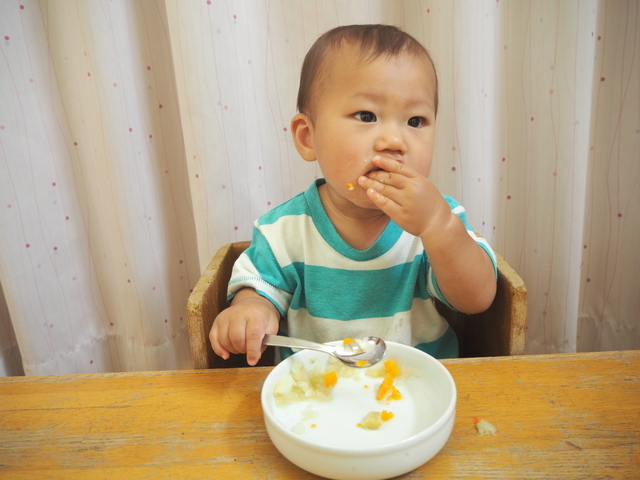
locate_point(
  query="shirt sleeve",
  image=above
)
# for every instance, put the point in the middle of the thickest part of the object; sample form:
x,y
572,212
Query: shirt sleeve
x,y
432,284
258,268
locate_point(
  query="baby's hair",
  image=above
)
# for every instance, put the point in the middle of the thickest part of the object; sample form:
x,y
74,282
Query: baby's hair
x,y
372,40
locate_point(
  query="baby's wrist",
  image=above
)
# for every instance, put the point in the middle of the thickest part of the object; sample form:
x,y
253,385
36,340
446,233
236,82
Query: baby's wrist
x,y
252,299
441,228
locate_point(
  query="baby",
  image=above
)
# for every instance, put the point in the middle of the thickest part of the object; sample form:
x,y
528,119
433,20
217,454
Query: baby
x,y
363,250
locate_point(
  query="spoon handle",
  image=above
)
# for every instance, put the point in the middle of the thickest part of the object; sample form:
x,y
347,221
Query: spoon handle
x,y
281,341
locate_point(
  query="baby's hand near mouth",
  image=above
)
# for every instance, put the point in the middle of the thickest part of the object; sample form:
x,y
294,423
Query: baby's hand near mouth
x,y
410,199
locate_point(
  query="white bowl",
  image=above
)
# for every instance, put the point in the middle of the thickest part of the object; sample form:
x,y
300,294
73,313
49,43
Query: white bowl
x,y
323,437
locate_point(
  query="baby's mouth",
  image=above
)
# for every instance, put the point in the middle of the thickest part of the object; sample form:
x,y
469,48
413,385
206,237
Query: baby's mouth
x,y
375,168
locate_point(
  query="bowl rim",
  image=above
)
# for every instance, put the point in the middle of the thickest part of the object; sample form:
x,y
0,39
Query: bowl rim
x,y
447,416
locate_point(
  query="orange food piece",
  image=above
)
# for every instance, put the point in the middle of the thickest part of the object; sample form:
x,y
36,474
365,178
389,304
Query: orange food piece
x,y
345,341
362,363
395,394
392,368
388,390
386,415
330,379
385,387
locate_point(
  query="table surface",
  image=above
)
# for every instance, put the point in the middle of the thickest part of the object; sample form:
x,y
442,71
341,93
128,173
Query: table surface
x,y
568,416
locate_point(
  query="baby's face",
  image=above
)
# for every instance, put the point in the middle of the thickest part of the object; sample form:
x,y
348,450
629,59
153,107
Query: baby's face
x,y
382,108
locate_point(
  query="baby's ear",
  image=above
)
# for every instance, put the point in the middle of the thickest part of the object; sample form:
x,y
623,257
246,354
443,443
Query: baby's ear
x,y
302,132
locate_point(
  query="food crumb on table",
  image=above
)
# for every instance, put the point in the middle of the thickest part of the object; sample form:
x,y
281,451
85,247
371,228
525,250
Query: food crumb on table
x,y
485,428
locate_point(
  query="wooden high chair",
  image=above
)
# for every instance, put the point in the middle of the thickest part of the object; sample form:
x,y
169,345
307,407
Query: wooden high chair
x,y
497,332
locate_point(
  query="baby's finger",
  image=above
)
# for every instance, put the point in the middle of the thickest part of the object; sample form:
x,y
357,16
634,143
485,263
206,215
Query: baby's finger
x,y
384,203
237,337
394,166
383,178
383,182
389,189
254,336
214,338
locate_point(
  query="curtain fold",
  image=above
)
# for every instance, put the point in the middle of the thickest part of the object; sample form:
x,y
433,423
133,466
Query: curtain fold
x,y
98,250
609,303
138,137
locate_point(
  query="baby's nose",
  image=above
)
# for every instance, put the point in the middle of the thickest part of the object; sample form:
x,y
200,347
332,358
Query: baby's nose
x,y
391,139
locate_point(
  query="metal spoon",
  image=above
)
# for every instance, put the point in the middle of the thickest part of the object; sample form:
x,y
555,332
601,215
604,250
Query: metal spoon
x,y
350,354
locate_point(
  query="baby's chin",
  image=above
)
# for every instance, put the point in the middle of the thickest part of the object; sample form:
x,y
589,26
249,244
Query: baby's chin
x,y
361,201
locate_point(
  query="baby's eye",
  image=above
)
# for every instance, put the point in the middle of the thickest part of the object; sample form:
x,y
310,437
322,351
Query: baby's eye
x,y
366,117
416,122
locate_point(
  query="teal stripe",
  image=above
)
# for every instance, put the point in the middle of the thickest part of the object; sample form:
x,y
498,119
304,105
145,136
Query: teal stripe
x,y
266,263
436,291
492,256
370,294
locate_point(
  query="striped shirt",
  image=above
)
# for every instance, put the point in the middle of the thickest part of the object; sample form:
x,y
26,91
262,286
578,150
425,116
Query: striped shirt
x,y
327,290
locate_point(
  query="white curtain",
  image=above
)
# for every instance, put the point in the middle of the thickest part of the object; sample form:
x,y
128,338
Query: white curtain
x,y
136,137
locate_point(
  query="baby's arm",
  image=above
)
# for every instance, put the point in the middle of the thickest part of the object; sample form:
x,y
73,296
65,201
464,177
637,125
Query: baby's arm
x,y
464,270
241,327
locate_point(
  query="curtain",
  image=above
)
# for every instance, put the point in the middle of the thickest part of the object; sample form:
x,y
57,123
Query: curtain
x,y
136,137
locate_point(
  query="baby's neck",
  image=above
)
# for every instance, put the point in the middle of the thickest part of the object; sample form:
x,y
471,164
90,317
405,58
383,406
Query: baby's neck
x,y
360,229
360,234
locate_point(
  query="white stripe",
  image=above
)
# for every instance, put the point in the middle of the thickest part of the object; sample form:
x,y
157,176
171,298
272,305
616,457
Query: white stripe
x,y
294,238
420,325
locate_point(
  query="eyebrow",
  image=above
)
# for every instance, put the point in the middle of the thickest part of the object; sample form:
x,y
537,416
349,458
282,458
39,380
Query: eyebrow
x,y
409,104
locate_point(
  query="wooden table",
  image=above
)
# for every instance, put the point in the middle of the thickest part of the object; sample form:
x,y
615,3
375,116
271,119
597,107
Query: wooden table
x,y
568,416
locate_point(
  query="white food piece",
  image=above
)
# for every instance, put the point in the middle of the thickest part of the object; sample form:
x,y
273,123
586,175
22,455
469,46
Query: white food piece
x,y
299,428
364,345
485,428
372,421
309,413
302,385
284,386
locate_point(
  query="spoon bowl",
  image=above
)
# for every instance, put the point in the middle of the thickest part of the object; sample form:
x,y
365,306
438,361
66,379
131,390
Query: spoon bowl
x,y
360,353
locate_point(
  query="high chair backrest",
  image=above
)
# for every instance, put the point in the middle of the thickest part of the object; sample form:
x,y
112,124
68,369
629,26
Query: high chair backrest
x,y
498,331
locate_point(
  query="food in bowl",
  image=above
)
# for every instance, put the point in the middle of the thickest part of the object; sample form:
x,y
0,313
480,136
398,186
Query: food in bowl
x,y
323,436
374,420
316,384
